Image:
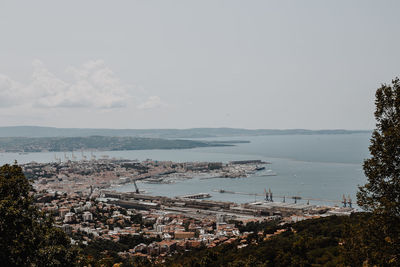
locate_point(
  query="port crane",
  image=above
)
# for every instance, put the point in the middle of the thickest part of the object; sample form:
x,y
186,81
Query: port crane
x,y
268,197
136,188
73,156
297,198
57,159
349,201
346,201
84,158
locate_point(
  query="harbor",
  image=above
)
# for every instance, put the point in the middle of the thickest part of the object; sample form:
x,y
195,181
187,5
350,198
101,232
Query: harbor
x,y
196,205
326,177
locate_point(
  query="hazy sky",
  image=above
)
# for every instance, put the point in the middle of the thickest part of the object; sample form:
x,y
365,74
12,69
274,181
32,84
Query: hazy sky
x,y
181,64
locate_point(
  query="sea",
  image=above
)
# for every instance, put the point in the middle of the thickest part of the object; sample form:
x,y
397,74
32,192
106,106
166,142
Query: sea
x,y
318,168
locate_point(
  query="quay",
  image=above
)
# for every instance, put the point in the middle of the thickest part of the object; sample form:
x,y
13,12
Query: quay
x,y
200,207
283,197
196,196
244,162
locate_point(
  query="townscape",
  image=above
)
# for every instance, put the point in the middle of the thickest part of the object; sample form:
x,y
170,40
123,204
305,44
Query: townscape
x,y
79,195
199,133
81,176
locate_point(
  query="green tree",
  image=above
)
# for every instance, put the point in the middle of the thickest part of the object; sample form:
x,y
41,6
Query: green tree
x,y
381,194
377,239
27,236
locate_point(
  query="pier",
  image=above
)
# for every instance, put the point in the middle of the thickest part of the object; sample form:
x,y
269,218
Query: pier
x,y
255,161
283,197
193,204
197,196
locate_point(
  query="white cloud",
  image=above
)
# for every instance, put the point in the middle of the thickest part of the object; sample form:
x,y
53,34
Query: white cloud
x,y
10,93
92,85
152,102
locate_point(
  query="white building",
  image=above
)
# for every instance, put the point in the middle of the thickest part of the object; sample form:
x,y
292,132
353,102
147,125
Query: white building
x,y
87,216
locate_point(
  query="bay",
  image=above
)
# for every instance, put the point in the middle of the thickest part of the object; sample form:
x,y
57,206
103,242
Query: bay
x,y
322,167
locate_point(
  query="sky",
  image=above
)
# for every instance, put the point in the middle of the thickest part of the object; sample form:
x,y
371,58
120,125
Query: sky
x,y
183,64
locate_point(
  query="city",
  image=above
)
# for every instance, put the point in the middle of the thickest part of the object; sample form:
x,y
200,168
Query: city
x,y
213,133
78,195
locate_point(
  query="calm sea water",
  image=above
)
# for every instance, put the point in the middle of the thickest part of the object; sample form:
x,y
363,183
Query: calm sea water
x,y
311,166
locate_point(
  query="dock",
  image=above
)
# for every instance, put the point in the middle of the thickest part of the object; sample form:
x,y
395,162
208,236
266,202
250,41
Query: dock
x,y
295,198
196,196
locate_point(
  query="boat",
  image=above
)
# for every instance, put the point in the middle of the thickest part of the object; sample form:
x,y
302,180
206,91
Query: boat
x,y
269,173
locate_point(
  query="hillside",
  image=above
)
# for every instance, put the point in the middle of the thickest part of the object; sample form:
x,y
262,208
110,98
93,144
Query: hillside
x,y
36,131
104,143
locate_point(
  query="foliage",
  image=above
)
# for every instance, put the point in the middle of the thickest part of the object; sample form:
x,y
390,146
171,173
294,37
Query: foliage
x,y
99,250
268,227
377,241
306,243
364,243
381,193
27,236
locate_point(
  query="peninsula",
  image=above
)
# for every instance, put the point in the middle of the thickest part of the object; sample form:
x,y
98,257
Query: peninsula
x,y
99,143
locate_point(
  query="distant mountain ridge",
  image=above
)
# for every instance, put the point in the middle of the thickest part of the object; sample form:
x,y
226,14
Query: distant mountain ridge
x,y
38,131
101,143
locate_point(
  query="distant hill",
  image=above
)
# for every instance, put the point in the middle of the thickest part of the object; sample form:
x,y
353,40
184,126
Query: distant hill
x,y
102,143
37,131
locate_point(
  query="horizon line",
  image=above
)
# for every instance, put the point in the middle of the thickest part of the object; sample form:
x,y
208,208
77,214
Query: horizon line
x,y
192,128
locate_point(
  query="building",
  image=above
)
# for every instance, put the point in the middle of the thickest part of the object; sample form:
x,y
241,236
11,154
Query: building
x,y
87,216
184,235
69,217
63,211
67,228
280,208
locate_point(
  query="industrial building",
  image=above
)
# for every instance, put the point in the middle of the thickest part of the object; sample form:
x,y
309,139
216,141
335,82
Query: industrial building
x,y
280,208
